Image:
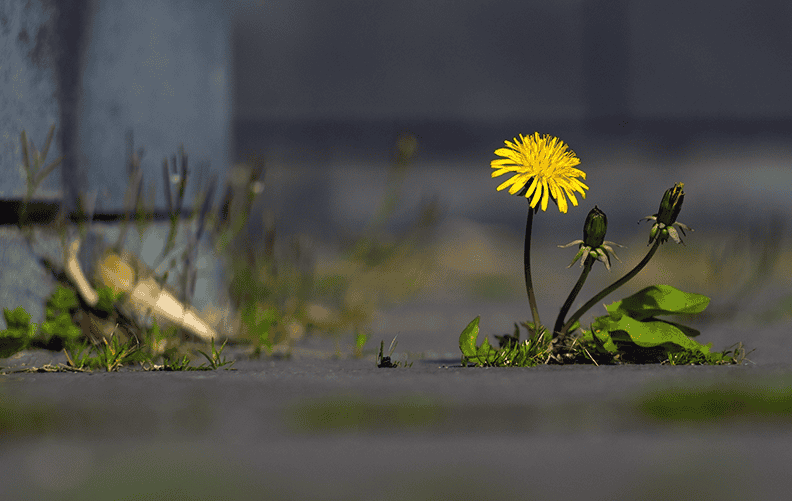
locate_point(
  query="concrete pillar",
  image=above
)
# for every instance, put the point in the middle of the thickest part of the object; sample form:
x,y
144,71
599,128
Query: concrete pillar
x,y
103,71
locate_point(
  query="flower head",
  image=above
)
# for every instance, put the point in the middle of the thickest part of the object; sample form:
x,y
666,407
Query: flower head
x,y
547,164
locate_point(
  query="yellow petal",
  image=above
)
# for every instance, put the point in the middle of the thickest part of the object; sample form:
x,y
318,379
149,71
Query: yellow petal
x,y
537,194
532,187
501,172
562,203
519,183
504,163
509,182
545,195
572,198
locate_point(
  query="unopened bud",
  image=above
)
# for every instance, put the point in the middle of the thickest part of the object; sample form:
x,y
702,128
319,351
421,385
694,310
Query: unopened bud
x,y
671,204
595,228
666,225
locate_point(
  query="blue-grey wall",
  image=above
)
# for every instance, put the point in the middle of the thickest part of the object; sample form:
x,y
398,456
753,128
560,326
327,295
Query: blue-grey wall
x,y
103,71
615,66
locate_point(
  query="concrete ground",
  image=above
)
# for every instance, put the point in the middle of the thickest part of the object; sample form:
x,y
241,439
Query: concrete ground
x,y
319,426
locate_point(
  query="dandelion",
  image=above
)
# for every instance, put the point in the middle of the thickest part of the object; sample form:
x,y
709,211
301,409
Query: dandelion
x,y
547,164
544,168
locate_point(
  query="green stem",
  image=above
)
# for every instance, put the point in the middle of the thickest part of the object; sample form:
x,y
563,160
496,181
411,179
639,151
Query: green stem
x,y
527,264
596,299
589,262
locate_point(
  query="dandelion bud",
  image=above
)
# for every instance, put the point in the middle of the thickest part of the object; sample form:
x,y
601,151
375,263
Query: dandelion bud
x,y
595,228
666,225
594,244
671,204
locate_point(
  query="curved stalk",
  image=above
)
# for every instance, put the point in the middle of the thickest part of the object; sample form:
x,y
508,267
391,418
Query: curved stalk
x,y
527,266
589,262
596,299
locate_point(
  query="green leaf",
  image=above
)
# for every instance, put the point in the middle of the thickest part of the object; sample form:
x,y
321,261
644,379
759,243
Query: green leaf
x,y
19,332
467,340
688,331
62,299
602,339
107,299
13,341
61,326
486,353
659,300
652,333
16,318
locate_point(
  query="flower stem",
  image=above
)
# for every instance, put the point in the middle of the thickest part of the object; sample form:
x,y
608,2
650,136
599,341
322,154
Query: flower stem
x,y
596,299
572,295
527,264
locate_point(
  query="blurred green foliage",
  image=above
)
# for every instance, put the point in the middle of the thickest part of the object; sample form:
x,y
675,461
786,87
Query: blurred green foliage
x,y
752,401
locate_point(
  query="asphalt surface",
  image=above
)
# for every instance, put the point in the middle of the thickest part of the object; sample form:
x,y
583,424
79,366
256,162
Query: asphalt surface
x,y
320,426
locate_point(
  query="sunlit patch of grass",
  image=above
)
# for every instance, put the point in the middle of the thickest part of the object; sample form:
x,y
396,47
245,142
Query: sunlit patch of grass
x,y
23,418
108,355
344,414
750,400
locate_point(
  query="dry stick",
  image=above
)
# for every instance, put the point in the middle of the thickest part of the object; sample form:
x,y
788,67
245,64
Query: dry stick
x,y
596,299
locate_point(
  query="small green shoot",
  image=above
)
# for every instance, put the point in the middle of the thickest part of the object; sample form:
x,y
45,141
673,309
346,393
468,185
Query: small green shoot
x,y
511,352
217,360
108,355
360,341
174,363
385,362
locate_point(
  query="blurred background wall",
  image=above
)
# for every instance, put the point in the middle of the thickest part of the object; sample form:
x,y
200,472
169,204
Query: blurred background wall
x,y
647,93
465,75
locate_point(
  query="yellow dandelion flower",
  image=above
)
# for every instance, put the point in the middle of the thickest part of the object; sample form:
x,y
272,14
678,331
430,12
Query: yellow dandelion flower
x,y
547,163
